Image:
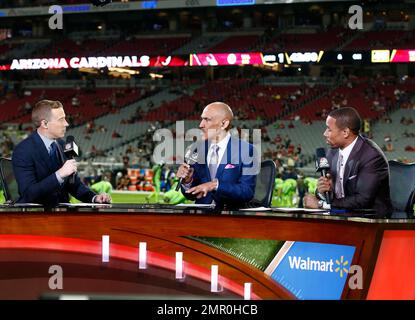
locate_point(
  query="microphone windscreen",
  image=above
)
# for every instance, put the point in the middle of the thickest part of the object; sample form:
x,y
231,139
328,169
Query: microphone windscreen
x,y
70,139
320,153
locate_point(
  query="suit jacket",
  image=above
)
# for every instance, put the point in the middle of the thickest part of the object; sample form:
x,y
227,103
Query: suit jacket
x,y
236,175
35,175
366,178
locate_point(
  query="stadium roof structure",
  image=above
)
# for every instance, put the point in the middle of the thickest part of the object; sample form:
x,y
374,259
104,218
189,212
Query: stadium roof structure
x,y
146,5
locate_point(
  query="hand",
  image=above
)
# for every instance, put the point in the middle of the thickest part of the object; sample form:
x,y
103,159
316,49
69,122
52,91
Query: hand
x,y
69,167
103,198
324,184
310,202
185,172
202,189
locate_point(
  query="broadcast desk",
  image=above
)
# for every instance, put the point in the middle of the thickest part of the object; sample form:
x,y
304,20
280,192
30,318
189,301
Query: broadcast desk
x,y
34,239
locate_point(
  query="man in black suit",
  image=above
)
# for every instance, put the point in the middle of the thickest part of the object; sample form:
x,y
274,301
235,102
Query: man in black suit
x,y
359,171
41,169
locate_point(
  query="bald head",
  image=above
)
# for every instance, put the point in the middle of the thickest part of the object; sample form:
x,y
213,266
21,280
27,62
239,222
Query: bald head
x,y
221,109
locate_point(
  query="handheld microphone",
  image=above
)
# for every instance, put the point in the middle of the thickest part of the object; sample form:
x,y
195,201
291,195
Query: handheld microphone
x,y
71,151
190,157
323,166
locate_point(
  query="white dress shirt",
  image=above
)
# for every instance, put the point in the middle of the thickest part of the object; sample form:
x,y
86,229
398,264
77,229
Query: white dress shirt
x,y
222,148
345,153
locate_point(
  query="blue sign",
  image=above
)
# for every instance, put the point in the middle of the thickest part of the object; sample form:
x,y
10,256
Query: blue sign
x,y
80,8
220,3
149,4
313,270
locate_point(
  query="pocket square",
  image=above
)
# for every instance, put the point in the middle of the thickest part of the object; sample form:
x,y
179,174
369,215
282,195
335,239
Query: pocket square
x,y
229,166
352,177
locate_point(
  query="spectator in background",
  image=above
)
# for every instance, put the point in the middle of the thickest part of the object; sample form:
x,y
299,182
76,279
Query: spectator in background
x,y
289,170
124,182
116,135
27,107
75,101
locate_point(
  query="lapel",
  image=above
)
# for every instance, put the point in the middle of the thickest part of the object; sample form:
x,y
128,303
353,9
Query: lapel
x,y
352,160
205,159
231,155
42,156
333,165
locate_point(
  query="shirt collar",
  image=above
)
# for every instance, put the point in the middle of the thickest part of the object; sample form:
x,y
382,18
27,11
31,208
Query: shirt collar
x,y
224,142
46,141
346,151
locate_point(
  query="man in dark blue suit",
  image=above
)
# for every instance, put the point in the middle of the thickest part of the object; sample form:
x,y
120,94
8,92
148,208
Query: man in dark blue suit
x,y
41,169
226,168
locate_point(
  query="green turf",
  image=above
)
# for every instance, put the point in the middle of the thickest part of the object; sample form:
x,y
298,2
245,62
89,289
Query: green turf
x,y
258,253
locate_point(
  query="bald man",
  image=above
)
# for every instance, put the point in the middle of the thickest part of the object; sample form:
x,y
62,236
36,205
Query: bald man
x,y
225,173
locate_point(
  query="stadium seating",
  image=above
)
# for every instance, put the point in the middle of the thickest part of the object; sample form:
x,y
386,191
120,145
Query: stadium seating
x,y
241,43
381,39
313,39
149,45
401,135
70,48
91,104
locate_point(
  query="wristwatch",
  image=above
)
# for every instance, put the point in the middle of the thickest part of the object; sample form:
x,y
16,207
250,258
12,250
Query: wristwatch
x,y
324,205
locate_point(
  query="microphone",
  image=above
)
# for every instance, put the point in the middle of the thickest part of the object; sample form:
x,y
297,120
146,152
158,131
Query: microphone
x,y
71,151
323,166
190,157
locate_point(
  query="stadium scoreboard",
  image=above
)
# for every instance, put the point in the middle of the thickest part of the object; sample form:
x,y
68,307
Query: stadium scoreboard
x,y
215,59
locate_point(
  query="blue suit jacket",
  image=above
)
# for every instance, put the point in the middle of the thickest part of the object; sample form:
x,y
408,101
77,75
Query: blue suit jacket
x,y
236,175
35,175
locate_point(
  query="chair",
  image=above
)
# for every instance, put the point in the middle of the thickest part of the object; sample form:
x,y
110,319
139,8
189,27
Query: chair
x,y
8,181
402,188
264,185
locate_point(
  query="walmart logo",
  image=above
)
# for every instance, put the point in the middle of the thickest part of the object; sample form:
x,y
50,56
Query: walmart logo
x,y
307,264
342,266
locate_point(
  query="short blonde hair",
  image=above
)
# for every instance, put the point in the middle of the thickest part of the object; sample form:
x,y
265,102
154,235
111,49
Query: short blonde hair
x,y
42,110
